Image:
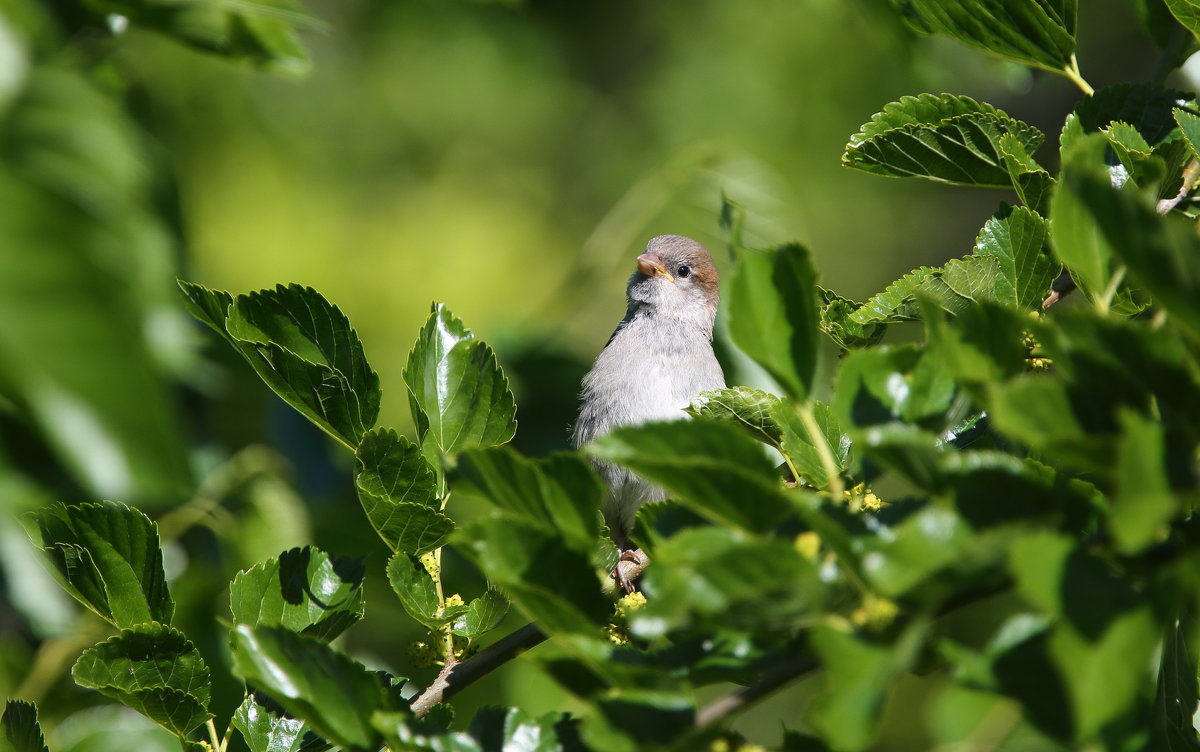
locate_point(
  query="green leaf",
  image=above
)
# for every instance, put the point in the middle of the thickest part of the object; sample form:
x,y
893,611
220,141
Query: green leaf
x,y
1034,32
1105,636
773,314
798,446
1145,106
899,301
483,615
1135,155
1031,182
305,590
21,728
1161,253
398,492
748,409
552,584
458,393
981,347
1037,411
1177,696
400,732
713,467
267,728
836,321
416,590
950,139
1143,503
515,730
1019,240
331,692
891,382
107,557
559,493
261,33
859,673
304,348
709,577
1189,126
1187,12
86,257
923,544
1075,229
154,669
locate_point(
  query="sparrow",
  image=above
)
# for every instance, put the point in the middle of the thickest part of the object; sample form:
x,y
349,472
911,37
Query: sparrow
x,y
658,359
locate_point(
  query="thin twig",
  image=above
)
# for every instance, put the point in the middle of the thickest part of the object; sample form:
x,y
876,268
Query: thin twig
x,y
734,702
459,676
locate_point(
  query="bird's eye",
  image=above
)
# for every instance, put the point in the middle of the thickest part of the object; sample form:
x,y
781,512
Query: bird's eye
x,y
683,271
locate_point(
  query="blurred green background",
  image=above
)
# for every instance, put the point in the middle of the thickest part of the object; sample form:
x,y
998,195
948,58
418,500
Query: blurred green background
x,y
509,159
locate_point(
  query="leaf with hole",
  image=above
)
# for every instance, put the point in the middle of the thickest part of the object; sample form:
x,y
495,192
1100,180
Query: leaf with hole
x,y
304,589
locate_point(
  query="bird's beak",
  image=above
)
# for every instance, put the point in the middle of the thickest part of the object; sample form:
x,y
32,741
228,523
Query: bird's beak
x,y
652,266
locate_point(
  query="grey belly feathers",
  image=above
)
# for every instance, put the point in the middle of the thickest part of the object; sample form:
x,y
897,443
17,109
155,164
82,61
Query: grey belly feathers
x,y
649,371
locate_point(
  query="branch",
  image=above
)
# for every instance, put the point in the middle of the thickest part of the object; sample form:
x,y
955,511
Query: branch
x,y
734,702
458,676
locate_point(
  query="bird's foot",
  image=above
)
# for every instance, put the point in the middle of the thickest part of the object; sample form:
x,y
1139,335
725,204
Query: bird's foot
x,y
629,569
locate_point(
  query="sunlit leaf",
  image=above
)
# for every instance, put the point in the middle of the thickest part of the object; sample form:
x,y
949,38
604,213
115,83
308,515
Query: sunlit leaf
x,y
305,590
458,393
748,409
107,557
311,681
267,728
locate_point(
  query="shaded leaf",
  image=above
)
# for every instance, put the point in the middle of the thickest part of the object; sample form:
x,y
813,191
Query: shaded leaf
x,y
773,314
333,693
515,730
1187,12
950,139
304,590
458,393
713,467
107,557
891,382
21,728
709,577
1147,107
559,493
748,409
1034,32
398,492
552,584
1143,503
1177,695
859,673
154,669
1075,229
923,544
1189,127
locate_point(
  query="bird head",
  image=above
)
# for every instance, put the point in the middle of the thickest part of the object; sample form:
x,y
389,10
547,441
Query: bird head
x,y
676,276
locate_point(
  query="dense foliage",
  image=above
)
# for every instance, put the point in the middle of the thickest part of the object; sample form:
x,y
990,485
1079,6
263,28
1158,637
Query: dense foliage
x,y
1025,464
